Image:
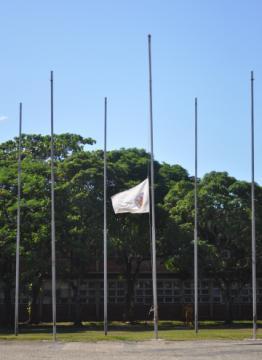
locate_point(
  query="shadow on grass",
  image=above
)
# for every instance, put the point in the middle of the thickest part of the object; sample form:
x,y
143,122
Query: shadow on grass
x,y
46,328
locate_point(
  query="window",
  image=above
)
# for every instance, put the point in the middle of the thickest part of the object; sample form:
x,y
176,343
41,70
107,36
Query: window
x,y
216,299
204,299
188,299
116,291
188,292
204,291
245,299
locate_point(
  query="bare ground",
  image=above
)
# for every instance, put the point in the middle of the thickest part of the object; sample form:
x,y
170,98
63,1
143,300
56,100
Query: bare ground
x,y
147,350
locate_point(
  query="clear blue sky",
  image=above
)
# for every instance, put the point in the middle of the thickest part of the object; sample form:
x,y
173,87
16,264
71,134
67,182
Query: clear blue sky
x,y
203,48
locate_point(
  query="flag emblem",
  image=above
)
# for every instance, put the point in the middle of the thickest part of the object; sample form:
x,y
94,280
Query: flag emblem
x,y
134,200
139,200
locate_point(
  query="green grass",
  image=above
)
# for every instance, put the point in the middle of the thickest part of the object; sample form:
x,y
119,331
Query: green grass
x,y
168,330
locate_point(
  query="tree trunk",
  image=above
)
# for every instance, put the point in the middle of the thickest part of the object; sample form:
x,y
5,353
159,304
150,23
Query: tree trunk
x,y
76,297
97,294
34,313
130,300
229,313
131,277
228,303
8,316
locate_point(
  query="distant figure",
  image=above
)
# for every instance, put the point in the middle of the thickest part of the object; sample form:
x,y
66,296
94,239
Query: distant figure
x,y
188,314
149,314
151,311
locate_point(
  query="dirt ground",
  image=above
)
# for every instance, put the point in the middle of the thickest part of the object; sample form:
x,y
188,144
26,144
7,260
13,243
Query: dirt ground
x,y
148,350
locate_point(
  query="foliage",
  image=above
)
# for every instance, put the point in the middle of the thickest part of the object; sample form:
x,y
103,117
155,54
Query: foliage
x,y
224,219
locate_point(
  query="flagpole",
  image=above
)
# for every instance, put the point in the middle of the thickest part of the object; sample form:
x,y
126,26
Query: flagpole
x,y
105,219
254,291
53,213
195,229
18,225
152,195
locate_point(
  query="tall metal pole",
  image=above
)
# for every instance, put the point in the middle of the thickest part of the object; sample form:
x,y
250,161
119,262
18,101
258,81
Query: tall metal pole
x,y
17,275
105,220
53,213
152,195
254,290
195,229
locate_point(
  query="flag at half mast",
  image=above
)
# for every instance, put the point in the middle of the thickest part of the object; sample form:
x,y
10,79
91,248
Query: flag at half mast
x,y
134,200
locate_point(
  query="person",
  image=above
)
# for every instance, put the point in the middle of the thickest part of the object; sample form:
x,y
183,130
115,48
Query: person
x,y
188,314
150,311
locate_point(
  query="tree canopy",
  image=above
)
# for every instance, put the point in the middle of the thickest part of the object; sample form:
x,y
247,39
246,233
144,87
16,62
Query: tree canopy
x,y
224,217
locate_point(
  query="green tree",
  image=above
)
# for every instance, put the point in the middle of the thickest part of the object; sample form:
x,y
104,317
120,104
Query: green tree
x,y
80,219
129,234
223,227
35,211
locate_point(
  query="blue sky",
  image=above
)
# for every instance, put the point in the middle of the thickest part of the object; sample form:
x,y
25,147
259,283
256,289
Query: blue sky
x,y
200,48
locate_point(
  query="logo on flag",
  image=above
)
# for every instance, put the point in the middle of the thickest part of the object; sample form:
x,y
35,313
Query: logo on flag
x,y
134,200
139,200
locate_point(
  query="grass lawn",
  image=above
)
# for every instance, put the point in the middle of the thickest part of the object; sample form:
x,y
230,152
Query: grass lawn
x,y
168,330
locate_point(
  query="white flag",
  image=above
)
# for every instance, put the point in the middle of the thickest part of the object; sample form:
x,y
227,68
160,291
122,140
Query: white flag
x,y
134,200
